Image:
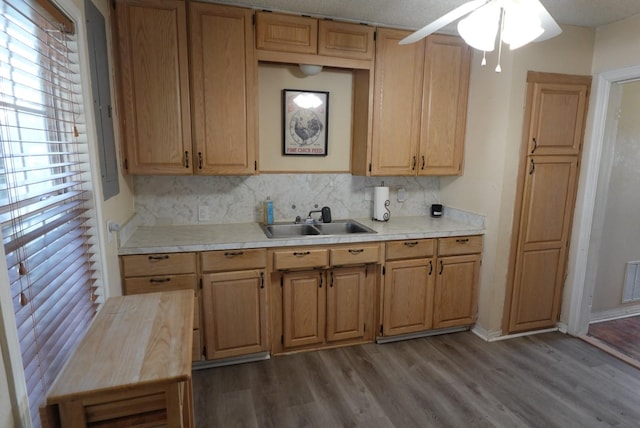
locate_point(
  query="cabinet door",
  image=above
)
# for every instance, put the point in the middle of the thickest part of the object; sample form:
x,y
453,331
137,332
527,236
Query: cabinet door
x,y
345,39
303,307
224,89
543,236
397,97
286,33
408,296
346,303
557,118
154,86
234,311
455,298
444,105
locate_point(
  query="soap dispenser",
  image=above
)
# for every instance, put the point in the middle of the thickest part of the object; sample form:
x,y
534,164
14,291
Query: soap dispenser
x,y
268,211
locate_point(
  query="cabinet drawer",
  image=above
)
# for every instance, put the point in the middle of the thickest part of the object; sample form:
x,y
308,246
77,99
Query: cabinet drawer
x,y
355,254
346,40
459,245
153,284
286,33
409,249
300,258
158,264
216,261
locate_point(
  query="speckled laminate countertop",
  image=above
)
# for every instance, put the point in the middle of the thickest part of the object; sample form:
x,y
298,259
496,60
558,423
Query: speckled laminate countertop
x,y
173,239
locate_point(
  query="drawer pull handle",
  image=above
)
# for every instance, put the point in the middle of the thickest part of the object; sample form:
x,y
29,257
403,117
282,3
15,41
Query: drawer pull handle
x,y
462,241
233,253
411,243
159,280
356,250
301,253
163,257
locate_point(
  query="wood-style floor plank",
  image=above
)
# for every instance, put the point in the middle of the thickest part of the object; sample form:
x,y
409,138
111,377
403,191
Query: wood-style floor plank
x,y
622,334
454,380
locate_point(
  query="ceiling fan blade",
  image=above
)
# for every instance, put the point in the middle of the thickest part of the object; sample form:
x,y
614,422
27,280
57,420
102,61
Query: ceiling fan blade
x,y
551,27
445,20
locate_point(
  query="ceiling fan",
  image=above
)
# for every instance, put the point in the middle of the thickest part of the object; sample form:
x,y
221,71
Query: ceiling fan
x,y
515,22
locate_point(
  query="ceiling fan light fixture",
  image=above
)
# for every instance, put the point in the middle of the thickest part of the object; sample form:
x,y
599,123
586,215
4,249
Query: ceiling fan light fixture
x,y
480,28
521,25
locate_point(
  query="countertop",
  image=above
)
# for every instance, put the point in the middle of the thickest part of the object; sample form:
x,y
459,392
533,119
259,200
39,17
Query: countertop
x,y
134,341
185,238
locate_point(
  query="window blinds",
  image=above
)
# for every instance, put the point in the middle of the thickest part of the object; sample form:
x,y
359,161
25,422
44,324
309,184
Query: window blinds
x,y
45,193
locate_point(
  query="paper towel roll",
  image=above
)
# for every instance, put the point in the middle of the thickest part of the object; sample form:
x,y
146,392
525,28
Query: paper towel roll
x,y
381,203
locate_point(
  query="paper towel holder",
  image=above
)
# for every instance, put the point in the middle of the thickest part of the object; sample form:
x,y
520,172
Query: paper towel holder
x,y
387,215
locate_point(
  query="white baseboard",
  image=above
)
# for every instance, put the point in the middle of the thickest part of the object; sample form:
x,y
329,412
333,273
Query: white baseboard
x,y
614,314
492,337
486,335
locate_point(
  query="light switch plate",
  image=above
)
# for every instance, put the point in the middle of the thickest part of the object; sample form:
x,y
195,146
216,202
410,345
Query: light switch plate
x,y
203,213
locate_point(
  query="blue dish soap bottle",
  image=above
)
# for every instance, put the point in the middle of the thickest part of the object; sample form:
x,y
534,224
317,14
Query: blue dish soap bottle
x,y
268,210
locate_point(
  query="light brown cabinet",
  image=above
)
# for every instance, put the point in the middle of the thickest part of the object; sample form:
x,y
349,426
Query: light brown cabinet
x,y
153,82
224,83
234,302
408,287
456,282
279,32
425,288
548,179
152,273
166,92
323,296
420,105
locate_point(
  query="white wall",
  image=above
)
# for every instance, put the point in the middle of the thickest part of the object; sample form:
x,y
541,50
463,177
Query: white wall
x,y
620,239
492,148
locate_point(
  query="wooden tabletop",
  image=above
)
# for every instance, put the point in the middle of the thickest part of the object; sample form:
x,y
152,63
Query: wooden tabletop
x,y
136,340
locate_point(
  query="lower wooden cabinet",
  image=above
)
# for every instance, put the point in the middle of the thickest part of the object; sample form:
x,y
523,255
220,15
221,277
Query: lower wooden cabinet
x,y
408,296
234,302
430,284
318,301
455,297
234,305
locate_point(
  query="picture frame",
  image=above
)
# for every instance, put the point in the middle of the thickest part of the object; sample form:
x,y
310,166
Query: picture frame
x,y
305,122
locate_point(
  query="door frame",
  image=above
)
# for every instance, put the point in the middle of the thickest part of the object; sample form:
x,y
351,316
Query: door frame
x,y
580,282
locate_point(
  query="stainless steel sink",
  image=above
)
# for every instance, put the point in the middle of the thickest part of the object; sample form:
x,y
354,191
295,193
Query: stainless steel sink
x,y
288,230
338,227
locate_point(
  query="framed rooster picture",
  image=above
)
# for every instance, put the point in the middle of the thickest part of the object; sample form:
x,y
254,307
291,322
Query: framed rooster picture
x,y
305,122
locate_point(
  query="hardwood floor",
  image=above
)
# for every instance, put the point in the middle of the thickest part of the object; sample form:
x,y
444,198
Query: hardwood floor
x,y
454,380
623,335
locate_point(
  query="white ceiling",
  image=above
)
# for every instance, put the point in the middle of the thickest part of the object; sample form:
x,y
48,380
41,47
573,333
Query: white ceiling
x,y
414,14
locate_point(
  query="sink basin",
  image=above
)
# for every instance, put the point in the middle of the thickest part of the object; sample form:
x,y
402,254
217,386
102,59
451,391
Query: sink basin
x,y
343,228
288,230
339,227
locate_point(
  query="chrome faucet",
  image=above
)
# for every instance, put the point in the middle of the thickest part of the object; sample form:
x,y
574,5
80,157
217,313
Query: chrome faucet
x,y
325,215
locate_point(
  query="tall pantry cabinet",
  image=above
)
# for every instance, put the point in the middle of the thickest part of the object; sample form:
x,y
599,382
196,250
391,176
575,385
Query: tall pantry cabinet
x,y
187,88
553,133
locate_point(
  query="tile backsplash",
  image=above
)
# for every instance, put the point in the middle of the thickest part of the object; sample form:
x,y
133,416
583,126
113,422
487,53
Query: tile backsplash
x,y
234,199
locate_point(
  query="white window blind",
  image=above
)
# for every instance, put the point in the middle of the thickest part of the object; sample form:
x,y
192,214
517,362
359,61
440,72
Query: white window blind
x,y
45,193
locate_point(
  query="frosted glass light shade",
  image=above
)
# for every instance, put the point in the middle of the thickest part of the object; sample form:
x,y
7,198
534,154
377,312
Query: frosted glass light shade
x,y
521,25
479,29
310,69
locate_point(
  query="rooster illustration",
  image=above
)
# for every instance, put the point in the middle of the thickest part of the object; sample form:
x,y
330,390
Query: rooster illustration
x,y
307,132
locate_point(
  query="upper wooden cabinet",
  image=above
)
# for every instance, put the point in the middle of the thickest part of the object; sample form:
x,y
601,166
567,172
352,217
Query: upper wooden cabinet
x,y
305,35
224,83
164,97
153,80
420,105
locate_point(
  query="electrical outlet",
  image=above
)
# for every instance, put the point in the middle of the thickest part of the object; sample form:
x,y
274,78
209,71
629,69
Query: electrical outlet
x,y
368,193
402,194
203,213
